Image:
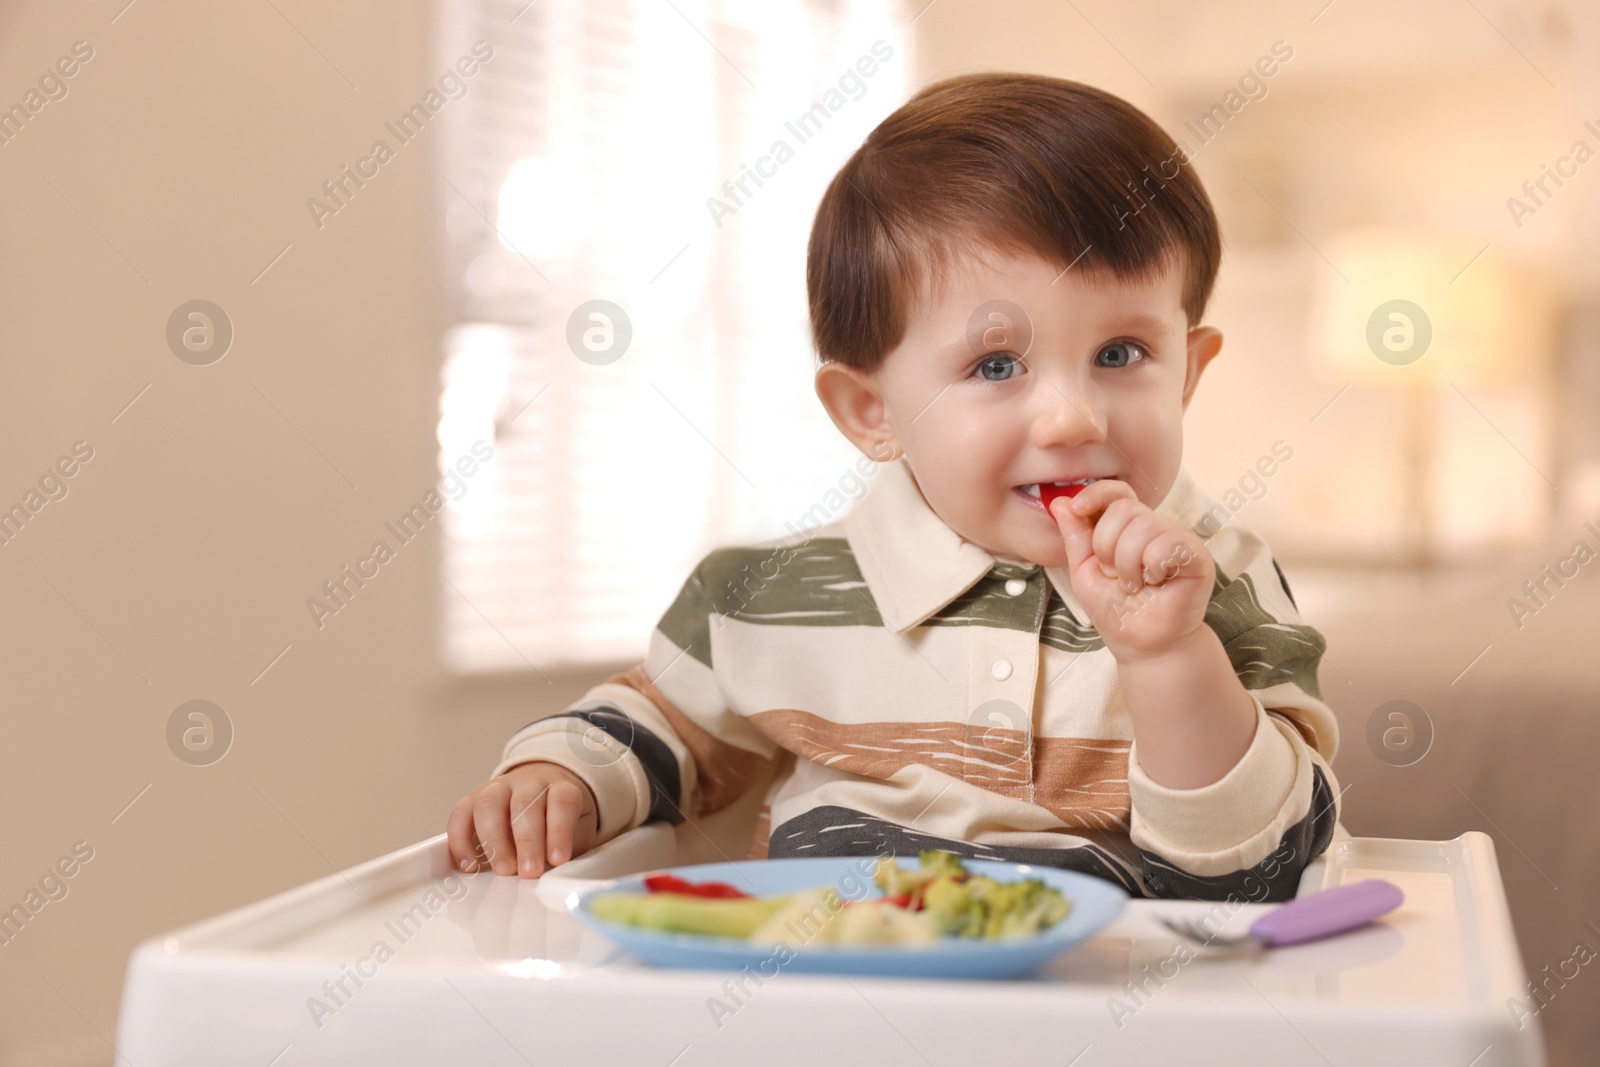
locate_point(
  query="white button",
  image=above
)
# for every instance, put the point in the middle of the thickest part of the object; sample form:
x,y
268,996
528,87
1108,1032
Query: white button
x,y
1001,670
1016,587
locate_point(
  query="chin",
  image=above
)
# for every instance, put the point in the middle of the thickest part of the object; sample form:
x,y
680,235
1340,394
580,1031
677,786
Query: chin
x,y
1052,557
1028,534
1046,551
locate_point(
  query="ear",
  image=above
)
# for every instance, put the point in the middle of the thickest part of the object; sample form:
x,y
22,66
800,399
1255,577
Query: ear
x,y
854,401
1204,344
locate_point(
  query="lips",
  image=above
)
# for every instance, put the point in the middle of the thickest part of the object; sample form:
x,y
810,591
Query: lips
x,y
1042,493
1047,492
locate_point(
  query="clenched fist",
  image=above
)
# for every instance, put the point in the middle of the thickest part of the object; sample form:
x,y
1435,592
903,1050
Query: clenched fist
x,y
1144,579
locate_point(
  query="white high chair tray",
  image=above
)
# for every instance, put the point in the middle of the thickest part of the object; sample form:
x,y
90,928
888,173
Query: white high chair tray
x,y
441,967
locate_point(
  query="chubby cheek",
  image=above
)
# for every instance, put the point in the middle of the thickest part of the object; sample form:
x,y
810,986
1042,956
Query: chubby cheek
x,y
1156,454
961,469
950,482
1152,438
968,457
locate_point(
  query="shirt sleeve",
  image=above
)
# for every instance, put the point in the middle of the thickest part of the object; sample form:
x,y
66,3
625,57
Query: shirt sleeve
x,y
1249,835
658,741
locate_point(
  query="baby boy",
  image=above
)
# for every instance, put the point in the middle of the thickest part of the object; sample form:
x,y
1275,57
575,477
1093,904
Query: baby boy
x,y
1031,640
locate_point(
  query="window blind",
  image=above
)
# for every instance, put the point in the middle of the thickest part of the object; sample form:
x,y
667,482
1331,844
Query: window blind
x,y
666,158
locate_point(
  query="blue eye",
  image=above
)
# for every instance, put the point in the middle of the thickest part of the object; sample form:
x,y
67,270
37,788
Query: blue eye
x,y
998,368
1121,353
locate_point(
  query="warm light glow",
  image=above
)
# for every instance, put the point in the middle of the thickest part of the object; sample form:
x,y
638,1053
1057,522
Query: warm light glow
x,y
1488,325
476,369
1469,414
656,188
532,968
541,210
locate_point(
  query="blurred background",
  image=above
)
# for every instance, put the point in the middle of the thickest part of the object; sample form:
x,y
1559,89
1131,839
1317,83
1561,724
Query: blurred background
x,y
516,289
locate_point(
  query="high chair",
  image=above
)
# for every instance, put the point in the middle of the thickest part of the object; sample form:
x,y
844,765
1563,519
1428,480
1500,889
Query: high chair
x,y
402,960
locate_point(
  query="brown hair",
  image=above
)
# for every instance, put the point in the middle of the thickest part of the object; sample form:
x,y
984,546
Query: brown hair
x,y
1010,162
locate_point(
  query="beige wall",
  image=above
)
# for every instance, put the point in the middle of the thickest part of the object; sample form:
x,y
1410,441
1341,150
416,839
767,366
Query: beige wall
x,y
192,539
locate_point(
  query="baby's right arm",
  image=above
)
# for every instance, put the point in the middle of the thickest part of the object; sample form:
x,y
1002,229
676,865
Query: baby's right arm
x,y
657,742
519,821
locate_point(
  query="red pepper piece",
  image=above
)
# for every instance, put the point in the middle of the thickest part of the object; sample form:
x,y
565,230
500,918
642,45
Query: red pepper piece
x,y
1049,493
669,883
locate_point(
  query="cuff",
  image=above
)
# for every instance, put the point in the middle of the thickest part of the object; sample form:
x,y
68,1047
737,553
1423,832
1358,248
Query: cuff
x,y
1233,822
614,774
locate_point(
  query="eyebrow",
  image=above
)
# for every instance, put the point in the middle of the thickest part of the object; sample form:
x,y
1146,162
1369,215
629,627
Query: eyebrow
x,y
955,348
1147,322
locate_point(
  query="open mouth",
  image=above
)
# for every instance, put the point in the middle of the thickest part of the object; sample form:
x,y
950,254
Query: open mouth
x,y
1042,494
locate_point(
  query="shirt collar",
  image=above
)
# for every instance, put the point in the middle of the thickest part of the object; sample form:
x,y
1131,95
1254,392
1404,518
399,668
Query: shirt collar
x,y
914,564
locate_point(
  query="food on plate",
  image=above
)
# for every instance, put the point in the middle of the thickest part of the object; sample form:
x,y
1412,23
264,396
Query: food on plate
x,y
687,913
938,898
984,908
819,917
671,883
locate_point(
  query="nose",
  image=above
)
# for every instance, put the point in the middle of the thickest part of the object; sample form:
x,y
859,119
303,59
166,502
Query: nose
x,y
1068,414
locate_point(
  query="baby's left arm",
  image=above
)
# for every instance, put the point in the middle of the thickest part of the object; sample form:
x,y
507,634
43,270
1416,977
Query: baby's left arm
x,y
1228,776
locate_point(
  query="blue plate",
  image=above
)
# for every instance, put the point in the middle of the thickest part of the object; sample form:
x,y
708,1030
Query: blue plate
x,y
1093,902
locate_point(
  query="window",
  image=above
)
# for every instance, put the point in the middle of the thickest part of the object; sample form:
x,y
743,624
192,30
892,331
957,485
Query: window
x,y
599,157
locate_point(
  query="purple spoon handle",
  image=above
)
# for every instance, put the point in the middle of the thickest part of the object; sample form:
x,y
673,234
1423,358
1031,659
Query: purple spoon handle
x,y
1331,911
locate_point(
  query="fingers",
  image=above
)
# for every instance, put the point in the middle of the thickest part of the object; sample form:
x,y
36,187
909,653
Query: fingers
x,y
494,831
1170,555
1154,550
1132,549
1075,531
528,819
588,826
1097,496
1101,499
1134,545
463,841
566,806
1119,519
528,828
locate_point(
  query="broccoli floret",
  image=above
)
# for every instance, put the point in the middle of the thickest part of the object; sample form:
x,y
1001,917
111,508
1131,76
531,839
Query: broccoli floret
x,y
953,908
1018,909
962,905
937,861
981,907
895,880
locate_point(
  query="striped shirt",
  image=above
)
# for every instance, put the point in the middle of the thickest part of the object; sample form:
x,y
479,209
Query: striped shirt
x,y
898,688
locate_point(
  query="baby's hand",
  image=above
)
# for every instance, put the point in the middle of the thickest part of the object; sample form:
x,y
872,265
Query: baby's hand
x,y
544,808
1152,589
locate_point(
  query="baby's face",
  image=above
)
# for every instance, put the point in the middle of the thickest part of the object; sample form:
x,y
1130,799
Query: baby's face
x,y
1099,391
